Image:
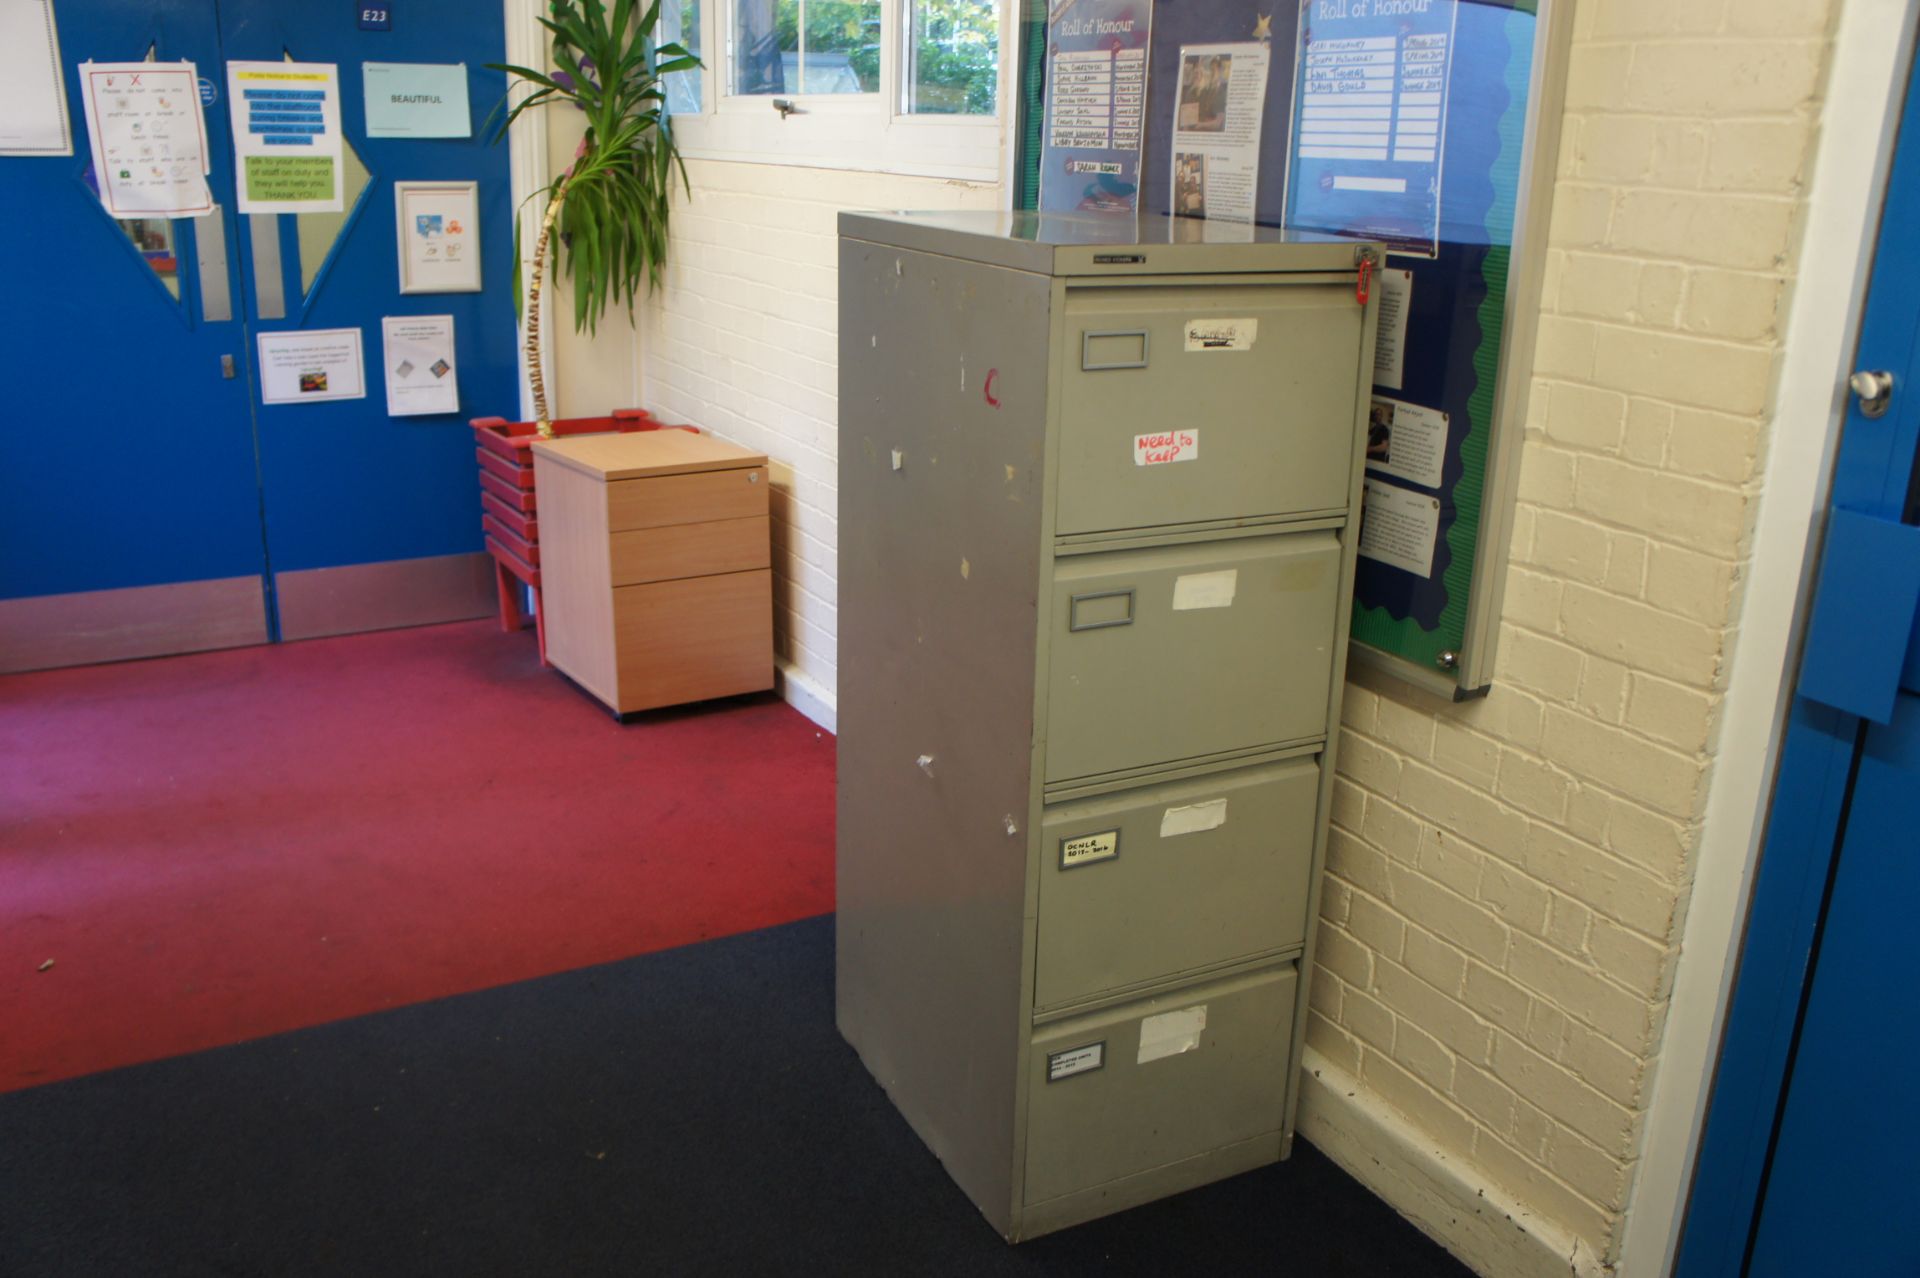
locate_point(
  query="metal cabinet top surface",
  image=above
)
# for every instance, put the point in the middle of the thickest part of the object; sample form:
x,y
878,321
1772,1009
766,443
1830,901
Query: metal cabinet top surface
x,y
1097,245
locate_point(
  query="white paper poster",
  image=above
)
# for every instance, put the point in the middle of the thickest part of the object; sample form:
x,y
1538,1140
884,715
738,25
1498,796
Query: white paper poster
x,y
1398,526
1216,130
438,229
311,367
417,351
1390,346
286,136
1407,440
33,100
149,140
416,100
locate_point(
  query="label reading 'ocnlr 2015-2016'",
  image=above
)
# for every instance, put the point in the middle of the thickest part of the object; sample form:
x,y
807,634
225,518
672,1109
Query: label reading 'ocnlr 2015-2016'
x,y
1085,849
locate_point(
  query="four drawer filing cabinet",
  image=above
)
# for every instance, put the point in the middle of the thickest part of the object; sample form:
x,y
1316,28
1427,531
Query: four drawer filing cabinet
x,y
1099,486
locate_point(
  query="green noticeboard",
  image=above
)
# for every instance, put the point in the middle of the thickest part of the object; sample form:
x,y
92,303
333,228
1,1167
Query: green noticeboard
x,y
1431,125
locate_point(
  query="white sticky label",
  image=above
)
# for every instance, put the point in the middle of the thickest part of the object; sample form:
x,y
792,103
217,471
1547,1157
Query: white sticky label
x,y
1197,590
1171,1033
1076,1060
1222,334
1193,818
1085,849
1165,446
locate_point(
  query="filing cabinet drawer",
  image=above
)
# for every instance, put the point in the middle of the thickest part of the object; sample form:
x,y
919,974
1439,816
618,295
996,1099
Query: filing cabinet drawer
x,y
1183,651
688,550
1253,388
1136,1087
736,493
1150,883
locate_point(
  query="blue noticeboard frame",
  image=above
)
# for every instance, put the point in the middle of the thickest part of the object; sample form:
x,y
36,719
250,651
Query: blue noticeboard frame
x,y
1472,243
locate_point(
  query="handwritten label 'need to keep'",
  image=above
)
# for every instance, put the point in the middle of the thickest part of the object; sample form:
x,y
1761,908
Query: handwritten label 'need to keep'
x,y
1166,446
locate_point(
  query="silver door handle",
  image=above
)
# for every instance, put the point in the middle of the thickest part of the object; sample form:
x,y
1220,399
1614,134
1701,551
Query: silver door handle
x,y
1875,389
226,367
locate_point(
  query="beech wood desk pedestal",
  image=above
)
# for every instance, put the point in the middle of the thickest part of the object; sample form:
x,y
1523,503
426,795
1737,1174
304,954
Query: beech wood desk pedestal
x,y
655,567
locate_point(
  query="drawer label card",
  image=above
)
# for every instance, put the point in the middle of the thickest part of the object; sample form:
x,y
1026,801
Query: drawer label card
x,y
1193,818
1222,334
1196,590
1171,1033
1165,446
1089,849
1076,1060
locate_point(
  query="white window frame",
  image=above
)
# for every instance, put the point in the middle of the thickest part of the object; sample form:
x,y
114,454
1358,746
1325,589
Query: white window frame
x,y
864,132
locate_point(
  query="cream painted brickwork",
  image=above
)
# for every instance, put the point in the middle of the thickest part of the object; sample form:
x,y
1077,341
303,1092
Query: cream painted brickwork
x,y
1508,878
742,342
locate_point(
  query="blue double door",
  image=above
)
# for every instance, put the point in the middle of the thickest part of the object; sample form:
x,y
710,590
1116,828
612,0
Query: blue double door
x,y
1810,1162
154,501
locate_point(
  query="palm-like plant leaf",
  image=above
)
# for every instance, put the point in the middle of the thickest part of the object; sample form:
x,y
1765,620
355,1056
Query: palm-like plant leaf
x,y
613,222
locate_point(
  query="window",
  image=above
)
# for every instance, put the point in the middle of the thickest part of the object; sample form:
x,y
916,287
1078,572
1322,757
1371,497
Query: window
x,y
905,86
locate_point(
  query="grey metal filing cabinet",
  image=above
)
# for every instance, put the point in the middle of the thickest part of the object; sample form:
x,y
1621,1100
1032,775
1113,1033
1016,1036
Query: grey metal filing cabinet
x,y
1099,495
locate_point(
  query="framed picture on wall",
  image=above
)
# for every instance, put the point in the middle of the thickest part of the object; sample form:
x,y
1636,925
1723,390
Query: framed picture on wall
x,y
438,227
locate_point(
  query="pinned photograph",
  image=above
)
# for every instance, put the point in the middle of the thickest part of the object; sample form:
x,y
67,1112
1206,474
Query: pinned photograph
x,y
1203,92
1189,185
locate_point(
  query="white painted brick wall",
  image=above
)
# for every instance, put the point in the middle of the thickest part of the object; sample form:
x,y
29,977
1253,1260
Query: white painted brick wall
x,y
1507,878
742,343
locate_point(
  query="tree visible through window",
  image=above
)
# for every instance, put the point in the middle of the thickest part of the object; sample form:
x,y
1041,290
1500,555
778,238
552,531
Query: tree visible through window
x,y
953,57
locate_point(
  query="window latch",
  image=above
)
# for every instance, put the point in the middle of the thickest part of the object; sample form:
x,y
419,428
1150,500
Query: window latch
x,y
786,107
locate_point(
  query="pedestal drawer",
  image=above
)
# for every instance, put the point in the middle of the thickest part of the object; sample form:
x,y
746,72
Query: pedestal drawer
x,y
1149,1083
692,639
1151,883
736,493
688,550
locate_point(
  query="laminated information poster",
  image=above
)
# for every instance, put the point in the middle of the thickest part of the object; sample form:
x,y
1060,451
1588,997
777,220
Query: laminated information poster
x,y
421,377
33,101
148,138
1216,130
1374,83
286,136
1096,105
416,100
312,366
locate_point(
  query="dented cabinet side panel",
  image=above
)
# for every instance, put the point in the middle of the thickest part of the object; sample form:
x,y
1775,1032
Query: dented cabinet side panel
x,y
942,431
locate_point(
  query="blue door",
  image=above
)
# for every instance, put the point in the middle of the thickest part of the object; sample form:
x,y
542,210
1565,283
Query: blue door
x,y
1808,1164
159,505
372,519
133,507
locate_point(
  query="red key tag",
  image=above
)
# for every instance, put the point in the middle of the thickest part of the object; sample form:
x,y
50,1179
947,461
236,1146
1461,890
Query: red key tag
x,y
1363,287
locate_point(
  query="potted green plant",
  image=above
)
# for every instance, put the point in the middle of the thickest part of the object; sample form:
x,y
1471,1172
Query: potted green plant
x,y
611,204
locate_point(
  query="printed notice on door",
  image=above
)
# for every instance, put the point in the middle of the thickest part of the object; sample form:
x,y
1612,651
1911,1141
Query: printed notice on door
x,y
1216,130
1399,526
419,356
148,137
1096,105
33,96
311,367
286,136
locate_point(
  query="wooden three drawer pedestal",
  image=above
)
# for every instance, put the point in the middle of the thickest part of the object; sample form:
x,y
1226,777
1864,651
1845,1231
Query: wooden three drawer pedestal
x,y
656,570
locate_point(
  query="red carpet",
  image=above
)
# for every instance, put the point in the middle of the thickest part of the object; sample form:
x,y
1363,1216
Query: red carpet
x,y
217,847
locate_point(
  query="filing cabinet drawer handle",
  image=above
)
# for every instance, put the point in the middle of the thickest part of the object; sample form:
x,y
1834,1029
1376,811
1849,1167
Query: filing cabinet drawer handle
x,y
1117,347
1100,610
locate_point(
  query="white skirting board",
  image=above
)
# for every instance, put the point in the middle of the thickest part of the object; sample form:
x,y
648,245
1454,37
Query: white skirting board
x,y
1481,1225
807,696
